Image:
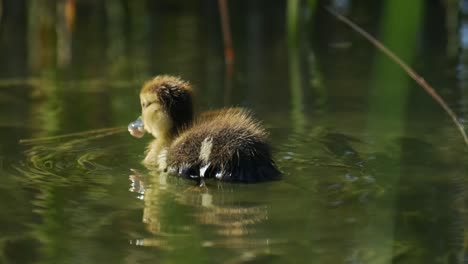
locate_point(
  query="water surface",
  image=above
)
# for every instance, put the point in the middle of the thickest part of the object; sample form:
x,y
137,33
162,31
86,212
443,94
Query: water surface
x,y
374,170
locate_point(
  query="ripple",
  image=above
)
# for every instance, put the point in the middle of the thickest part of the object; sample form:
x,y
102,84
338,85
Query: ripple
x,y
68,160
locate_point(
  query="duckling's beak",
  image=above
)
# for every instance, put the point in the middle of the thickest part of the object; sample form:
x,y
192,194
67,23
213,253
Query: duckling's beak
x,y
136,128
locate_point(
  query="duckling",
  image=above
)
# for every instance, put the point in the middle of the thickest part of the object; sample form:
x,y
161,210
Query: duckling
x,y
226,144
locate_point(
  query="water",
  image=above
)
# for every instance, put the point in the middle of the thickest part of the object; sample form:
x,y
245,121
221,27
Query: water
x,y
374,170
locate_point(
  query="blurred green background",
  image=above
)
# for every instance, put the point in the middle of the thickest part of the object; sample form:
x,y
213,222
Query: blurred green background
x,y
374,170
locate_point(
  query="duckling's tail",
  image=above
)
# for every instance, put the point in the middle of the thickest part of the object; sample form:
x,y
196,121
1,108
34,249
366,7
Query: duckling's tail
x,y
251,170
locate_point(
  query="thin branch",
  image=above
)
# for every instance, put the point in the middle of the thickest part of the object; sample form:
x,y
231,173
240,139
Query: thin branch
x,y
107,131
420,80
228,48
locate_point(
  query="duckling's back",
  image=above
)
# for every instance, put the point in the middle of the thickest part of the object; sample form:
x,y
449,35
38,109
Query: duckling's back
x,y
226,144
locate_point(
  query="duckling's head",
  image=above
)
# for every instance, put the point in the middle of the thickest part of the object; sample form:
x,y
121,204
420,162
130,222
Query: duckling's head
x,y
166,106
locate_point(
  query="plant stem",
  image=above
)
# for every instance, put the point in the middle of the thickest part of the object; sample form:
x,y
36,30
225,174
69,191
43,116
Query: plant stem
x,y
420,80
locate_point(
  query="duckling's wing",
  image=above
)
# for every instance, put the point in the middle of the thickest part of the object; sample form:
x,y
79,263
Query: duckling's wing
x,y
229,145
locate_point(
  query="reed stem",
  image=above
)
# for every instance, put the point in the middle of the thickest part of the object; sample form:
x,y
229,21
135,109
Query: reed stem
x,y
412,73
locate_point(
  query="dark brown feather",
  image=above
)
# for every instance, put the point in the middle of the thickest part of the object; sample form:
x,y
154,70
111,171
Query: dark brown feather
x,y
239,148
175,96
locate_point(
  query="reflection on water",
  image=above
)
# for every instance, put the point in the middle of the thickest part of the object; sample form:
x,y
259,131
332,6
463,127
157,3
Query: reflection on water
x,y
69,179
374,172
336,197
51,157
229,220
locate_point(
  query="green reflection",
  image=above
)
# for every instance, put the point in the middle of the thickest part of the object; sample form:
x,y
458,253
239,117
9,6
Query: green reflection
x,y
78,196
349,195
401,24
297,104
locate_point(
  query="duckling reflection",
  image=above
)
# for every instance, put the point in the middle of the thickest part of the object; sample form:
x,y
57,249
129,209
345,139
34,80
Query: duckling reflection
x,y
231,223
227,144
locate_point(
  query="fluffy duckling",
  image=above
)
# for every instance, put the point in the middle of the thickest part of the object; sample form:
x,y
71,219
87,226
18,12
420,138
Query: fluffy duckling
x,y
226,144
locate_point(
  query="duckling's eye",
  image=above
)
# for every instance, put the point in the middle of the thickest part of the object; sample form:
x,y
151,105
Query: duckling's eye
x,y
146,104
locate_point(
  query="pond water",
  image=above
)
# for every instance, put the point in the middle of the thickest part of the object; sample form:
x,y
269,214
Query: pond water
x,y
374,170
